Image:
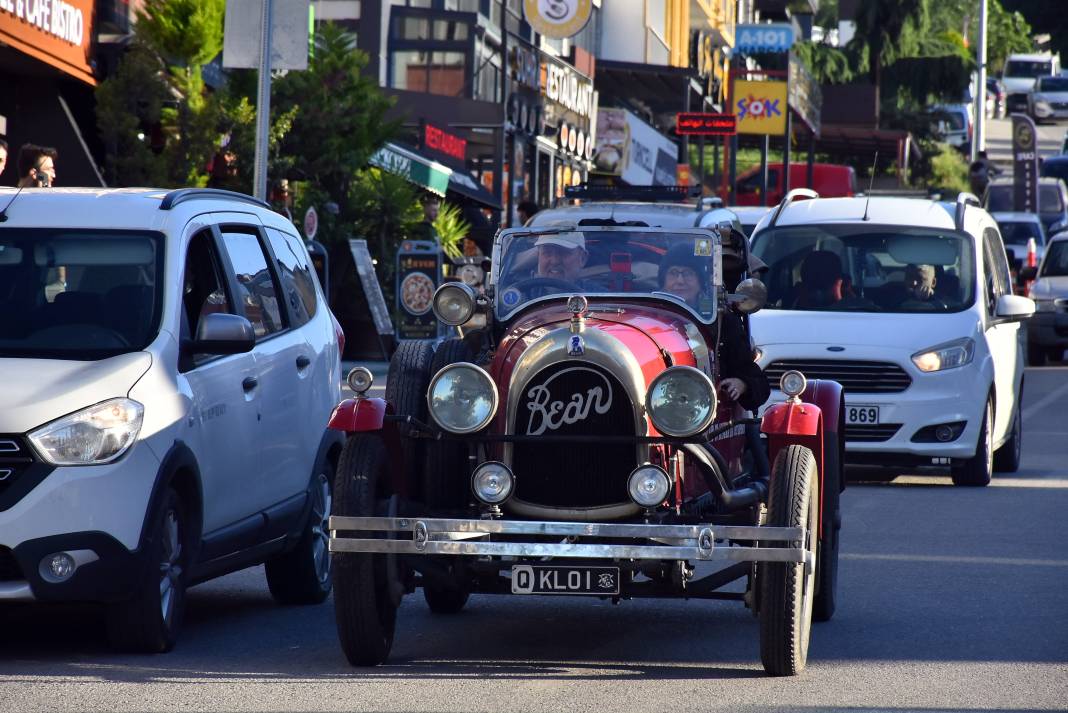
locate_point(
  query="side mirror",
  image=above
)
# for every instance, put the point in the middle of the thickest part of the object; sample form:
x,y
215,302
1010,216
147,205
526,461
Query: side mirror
x,y
220,333
751,295
1028,273
1014,307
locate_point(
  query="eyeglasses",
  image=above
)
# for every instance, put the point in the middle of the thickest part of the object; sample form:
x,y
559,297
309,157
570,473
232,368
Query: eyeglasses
x,y
681,273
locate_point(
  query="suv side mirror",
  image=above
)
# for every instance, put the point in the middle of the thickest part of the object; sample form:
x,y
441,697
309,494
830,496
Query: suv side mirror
x,y
750,296
220,333
1014,307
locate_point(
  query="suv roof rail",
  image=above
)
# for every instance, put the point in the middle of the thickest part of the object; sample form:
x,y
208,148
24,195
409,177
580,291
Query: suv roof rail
x,y
963,200
789,198
649,194
181,195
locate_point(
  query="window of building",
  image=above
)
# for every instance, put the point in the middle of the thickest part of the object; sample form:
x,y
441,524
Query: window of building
x,y
433,51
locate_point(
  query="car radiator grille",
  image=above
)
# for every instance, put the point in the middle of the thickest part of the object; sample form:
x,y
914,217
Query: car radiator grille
x,y
856,377
871,434
9,567
573,475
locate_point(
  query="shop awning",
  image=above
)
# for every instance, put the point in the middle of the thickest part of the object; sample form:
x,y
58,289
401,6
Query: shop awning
x,y
420,170
462,183
662,89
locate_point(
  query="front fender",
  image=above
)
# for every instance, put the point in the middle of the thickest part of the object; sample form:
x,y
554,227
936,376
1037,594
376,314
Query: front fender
x,y
359,415
796,423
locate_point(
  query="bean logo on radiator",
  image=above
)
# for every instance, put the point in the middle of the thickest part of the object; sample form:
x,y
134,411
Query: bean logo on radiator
x,y
548,413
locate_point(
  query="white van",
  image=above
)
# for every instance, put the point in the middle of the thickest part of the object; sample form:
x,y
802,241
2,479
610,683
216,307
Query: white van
x,y
1019,74
908,304
168,366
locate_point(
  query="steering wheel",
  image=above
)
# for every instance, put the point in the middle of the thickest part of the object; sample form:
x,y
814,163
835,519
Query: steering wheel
x,y
531,283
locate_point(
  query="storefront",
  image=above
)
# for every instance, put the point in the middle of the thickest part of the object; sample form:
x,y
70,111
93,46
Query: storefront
x,y
551,117
48,73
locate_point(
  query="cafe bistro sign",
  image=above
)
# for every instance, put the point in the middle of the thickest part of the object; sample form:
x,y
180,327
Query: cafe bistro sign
x,y
58,32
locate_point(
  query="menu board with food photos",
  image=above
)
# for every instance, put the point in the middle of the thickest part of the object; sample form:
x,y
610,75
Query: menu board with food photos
x,y
418,271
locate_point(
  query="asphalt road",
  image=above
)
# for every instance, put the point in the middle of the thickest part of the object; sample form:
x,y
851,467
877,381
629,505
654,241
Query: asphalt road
x,y
951,600
999,140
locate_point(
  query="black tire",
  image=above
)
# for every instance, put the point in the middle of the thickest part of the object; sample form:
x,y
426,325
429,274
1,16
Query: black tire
x,y
407,380
446,476
786,590
303,575
445,601
1007,458
1036,355
150,621
826,600
365,611
977,470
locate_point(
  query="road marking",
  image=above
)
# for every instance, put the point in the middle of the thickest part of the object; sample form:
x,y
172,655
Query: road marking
x,y
1045,401
1010,481
961,560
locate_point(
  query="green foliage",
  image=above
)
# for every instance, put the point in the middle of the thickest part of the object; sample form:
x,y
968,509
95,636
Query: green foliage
x,y
889,29
1008,33
452,229
948,170
185,31
827,64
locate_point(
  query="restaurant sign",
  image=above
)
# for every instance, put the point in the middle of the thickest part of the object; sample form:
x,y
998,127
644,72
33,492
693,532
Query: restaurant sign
x,y
56,32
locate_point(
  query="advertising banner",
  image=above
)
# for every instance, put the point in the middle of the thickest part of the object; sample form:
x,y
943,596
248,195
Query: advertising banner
x,y
418,268
701,124
764,38
58,33
631,149
1024,164
760,107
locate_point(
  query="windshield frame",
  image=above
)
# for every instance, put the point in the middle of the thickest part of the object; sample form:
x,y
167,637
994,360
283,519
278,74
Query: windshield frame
x,y
966,238
154,326
615,297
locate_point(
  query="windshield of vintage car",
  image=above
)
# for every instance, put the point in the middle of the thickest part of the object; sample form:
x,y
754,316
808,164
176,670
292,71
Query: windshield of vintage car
x,y
681,267
78,294
862,268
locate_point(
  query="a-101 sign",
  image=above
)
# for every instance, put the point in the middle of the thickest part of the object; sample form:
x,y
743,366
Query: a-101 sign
x,y
764,38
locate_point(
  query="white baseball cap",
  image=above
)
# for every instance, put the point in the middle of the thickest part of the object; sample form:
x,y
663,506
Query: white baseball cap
x,y
570,241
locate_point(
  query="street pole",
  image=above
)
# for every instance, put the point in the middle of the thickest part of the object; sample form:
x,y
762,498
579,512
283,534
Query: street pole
x,y
979,140
263,105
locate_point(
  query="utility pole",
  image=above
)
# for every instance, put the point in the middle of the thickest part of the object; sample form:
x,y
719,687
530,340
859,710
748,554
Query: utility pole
x,y
263,105
979,137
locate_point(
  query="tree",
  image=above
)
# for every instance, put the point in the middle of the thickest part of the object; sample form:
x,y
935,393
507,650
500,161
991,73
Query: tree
x,y
887,30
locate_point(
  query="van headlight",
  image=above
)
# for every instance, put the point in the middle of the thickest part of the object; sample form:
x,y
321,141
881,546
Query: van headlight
x,y
93,436
462,398
945,356
681,401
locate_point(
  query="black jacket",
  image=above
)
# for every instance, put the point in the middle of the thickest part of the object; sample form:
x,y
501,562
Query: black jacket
x,y
736,361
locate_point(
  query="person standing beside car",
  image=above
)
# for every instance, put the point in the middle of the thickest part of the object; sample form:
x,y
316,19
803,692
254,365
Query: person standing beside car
x,y
37,166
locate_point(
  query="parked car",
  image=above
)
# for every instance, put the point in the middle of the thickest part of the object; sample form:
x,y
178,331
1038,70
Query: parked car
x,y
1017,231
1019,75
166,401
954,126
996,91
830,179
1047,331
577,446
908,304
1052,200
1049,99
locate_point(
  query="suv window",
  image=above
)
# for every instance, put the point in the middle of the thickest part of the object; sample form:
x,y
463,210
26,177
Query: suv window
x,y
256,295
203,289
78,294
996,267
295,272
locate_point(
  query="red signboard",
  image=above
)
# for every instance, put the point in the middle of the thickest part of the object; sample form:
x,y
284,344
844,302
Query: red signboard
x,y
700,124
443,142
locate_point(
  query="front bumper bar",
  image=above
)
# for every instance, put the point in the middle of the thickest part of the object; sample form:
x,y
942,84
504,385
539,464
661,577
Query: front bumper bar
x,y
436,536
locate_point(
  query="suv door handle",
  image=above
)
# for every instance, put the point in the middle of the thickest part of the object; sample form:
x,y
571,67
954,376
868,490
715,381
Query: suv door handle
x,y
303,362
249,383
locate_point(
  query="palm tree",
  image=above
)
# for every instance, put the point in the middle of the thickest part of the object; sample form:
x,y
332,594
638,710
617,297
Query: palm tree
x,y
888,29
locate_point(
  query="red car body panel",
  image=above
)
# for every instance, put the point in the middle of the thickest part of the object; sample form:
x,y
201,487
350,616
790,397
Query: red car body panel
x,y
357,415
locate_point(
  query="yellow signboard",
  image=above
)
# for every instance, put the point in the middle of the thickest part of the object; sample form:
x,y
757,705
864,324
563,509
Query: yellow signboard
x,y
557,18
760,107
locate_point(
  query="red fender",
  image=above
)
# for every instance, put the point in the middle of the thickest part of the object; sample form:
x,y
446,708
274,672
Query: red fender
x,y
796,423
358,415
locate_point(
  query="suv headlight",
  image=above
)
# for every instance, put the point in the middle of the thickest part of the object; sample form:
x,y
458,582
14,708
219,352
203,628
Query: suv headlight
x,y
462,398
93,436
681,401
945,356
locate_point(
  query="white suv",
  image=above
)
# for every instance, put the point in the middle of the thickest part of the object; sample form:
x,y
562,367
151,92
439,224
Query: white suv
x,y
908,304
168,366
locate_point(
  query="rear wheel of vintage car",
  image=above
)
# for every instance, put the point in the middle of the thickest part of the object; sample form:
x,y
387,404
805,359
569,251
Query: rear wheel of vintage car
x,y
364,608
446,478
978,469
787,589
831,524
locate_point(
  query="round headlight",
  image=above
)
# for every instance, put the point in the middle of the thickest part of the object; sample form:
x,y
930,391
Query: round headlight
x,y
462,398
648,485
454,303
792,383
360,379
492,482
471,274
681,401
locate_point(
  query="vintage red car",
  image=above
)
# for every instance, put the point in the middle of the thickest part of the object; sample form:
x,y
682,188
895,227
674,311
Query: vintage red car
x,y
577,444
